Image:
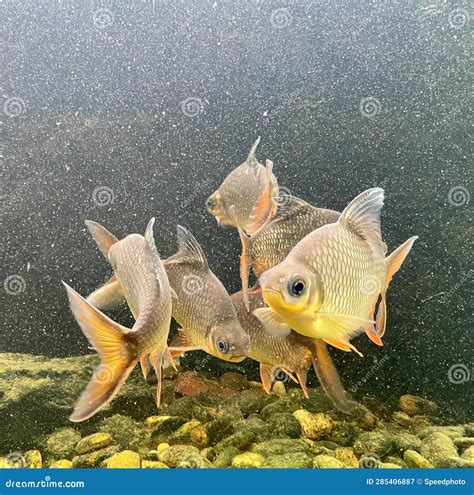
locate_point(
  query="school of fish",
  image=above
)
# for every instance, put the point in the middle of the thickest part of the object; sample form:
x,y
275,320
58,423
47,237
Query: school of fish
x,y
321,280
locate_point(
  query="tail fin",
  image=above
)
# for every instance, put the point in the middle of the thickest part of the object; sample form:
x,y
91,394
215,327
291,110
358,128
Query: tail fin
x,y
394,261
329,378
109,339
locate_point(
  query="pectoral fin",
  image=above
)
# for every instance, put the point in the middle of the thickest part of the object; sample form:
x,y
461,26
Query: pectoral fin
x,y
264,208
266,377
273,323
181,344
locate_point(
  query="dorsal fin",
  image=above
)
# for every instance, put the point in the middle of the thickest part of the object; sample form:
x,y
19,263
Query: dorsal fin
x,y
189,250
288,206
103,238
362,216
251,159
149,236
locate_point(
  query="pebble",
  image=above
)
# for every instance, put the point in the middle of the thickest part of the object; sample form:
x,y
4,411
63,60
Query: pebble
x,y
347,457
247,460
191,433
313,426
379,442
438,448
61,443
468,454
291,460
415,406
94,458
224,458
93,442
415,460
175,454
406,441
33,459
327,461
236,381
154,465
463,442
280,446
61,464
124,459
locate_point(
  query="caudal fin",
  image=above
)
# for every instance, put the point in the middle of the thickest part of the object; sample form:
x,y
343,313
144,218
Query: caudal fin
x,y
109,339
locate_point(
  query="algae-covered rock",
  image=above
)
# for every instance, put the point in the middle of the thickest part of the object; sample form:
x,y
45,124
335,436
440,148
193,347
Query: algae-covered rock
x,y
402,418
224,458
33,459
61,464
378,442
463,442
327,461
161,447
347,457
127,433
396,460
240,439
219,429
256,426
317,400
194,461
253,403
415,460
282,425
174,454
343,433
182,407
389,465
247,460
191,433
279,446
289,460
92,442
451,431
313,425
153,465
61,443
439,449
94,458
37,395
468,454
286,405
406,441
415,406
279,389
124,459
236,381
164,425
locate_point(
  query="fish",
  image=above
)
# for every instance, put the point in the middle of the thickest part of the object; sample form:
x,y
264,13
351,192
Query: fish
x,y
140,275
293,353
270,245
329,284
244,197
202,306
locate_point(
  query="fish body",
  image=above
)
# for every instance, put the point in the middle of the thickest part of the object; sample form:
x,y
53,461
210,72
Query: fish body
x,y
328,285
270,245
140,275
241,199
203,307
293,353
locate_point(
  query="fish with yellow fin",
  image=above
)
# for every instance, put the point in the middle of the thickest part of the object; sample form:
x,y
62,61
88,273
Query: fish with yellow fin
x,y
244,197
270,245
329,284
202,307
292,353
141,276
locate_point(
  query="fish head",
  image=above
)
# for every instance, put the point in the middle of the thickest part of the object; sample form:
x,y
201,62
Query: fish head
x,y
228,341
291,288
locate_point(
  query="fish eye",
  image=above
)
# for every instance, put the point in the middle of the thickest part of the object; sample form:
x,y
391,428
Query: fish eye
x,y
222,346
297,287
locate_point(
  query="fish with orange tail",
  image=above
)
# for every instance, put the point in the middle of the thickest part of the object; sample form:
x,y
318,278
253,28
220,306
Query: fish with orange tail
x,y
290,354
248,193
143,280
329,284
